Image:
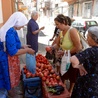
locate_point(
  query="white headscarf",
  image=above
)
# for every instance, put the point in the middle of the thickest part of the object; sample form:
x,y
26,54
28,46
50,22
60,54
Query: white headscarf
x,y
17,19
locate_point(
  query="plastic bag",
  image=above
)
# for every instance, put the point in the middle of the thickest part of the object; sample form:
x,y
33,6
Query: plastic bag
x,y
31,63
65,62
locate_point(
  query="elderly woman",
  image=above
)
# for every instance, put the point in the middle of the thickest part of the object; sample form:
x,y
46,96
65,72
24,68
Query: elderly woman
x,y
86,85
32,31
10,73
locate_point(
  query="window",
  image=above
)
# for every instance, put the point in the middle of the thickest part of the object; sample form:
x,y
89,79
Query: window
x,y
74,24
93,23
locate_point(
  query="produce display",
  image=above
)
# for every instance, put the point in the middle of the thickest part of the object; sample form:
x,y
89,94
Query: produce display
x,y
58,89
46,72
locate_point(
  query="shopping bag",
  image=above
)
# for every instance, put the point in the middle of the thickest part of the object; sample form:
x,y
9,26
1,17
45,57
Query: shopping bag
x,y
65,62
31,63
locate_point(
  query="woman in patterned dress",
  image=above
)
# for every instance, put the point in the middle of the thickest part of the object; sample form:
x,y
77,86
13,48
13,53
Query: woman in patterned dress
x,y
86,85
8,34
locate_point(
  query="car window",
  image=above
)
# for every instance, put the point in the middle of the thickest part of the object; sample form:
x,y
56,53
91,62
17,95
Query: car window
x,y
80,24
74,23
91,23
88,22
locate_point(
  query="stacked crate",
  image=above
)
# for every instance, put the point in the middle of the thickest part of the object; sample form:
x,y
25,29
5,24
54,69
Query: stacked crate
x,y
32,87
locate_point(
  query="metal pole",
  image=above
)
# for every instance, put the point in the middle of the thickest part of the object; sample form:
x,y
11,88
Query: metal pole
x,y
37,5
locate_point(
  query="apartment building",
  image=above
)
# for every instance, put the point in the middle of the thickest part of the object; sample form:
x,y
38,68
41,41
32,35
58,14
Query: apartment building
x,y
76,8
82,8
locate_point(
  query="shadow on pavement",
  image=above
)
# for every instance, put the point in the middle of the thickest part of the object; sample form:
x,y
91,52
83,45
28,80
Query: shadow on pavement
x,y
41,34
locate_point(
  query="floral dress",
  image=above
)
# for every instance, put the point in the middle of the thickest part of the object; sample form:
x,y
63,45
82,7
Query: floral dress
x,y
4,70
12,46
87,86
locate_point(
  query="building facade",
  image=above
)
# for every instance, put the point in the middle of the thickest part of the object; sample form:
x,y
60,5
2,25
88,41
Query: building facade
x,y
50,8
82,8
7,7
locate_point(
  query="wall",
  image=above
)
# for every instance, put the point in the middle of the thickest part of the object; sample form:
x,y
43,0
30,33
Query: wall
x,y
1,15
6,10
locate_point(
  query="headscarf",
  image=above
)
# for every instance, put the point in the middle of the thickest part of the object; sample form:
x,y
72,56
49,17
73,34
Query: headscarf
x,y
94,33
17,19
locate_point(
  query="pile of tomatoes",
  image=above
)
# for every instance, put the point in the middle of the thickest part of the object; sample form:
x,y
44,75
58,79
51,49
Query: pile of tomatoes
x,y
45,71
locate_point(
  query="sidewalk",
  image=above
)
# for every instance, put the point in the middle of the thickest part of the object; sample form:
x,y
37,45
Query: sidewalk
x,y
48,31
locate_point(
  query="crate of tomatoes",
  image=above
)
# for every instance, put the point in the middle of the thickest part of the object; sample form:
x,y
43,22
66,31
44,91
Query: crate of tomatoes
x,y
45,73
52,85
32,85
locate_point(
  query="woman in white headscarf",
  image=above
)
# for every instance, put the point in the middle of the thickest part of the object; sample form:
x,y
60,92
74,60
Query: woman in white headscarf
x,y
8,34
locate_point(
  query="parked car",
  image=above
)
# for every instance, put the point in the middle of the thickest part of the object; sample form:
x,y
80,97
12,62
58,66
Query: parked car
x,y
83,24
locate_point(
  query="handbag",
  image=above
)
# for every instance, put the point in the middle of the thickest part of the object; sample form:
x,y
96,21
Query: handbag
x,y
65,62
31,63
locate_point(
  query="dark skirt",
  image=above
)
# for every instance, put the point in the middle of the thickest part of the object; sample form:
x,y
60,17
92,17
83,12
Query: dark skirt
x,y
71,74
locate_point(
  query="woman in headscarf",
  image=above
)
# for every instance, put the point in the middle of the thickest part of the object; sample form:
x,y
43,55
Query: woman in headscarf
x,y
86,85
10,73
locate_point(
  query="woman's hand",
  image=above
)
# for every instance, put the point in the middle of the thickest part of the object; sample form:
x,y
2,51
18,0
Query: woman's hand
x,y
30,51
82,70
51,39
42,28
60,53
26,46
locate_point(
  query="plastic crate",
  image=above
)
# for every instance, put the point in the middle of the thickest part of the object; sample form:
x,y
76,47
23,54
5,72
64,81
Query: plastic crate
x,y
32,87
3,93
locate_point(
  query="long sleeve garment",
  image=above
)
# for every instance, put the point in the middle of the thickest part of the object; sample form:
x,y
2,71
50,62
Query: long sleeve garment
x,y
87,86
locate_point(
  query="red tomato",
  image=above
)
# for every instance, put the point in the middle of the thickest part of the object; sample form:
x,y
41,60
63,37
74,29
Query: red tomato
x,y
58,77
48,49
28,75
44,78
52,71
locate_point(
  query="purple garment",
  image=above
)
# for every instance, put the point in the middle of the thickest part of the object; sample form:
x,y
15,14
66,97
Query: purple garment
x,y
32,39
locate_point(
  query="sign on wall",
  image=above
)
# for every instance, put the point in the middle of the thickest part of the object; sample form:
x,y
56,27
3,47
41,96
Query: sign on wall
x,y
1,17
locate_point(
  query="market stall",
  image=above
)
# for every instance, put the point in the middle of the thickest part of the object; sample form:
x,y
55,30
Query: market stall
x,y
49,81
